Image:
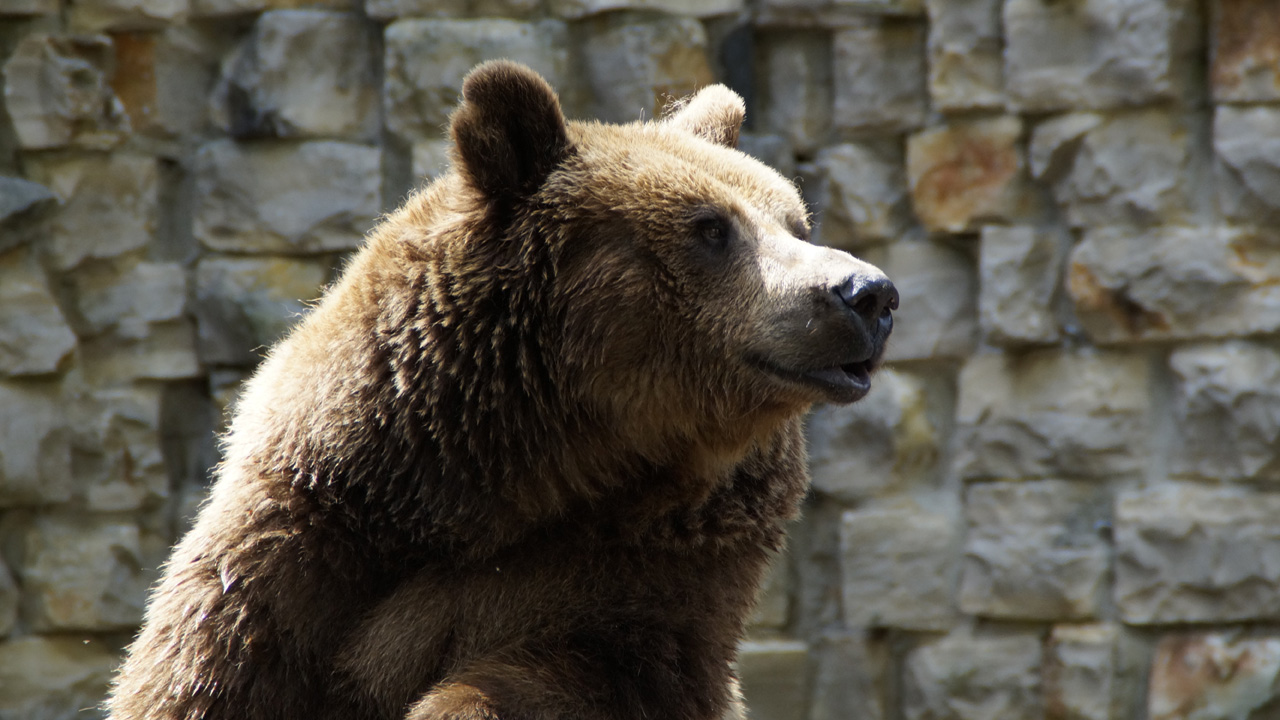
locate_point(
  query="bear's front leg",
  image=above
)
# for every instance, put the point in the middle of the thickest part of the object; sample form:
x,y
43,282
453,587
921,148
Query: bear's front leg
x,y
497,691
454,701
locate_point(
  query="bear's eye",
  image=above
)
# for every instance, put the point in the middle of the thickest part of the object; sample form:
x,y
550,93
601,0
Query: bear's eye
x,y
714,231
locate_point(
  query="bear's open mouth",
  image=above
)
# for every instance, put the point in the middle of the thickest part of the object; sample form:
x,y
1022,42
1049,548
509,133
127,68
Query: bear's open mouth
x,y
842,383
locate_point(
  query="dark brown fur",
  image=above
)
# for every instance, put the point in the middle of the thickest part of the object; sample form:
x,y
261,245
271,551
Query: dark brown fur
x,y
515,464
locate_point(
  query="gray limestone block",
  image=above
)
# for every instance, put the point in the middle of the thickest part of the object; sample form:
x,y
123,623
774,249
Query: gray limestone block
x,y
57,92
244,305
1215,674
54,677
35,467
795,88
965,50
775,678
1246,142
166,352
1195,553
860,191
637,64
1052,413
20,8
772,150
1175,283
879,78
1132,168
301,73
1094,671
426,60
120,465
19,197
879,445
938,314
430,160
1096,54
108,204
1245,46
898,567
396,9
575,9
34,335
970,676
309,197
9,595
850,677
1226,408
1035,550
89,16
1021,272
126,296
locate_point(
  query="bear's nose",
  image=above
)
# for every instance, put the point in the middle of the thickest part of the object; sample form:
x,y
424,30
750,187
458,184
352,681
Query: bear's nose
x,y
869,299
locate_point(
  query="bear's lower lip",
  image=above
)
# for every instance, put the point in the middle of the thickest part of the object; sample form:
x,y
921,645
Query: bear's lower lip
x,y
839,384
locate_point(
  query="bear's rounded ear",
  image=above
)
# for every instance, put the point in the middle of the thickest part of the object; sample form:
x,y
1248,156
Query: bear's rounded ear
x,y
713,113
509,132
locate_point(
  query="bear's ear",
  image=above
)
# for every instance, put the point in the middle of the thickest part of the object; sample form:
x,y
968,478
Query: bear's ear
x,y
509,132
713,113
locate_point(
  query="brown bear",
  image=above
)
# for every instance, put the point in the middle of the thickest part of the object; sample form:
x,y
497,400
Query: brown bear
x,y
529,458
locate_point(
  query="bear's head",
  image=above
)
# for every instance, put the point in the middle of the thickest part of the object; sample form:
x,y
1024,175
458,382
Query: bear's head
x,y
683,298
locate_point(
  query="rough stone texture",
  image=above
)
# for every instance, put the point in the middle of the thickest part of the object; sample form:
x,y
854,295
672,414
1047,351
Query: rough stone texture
x,y
879,78
1175,283
8,601
1134,168
1245,65
636,65
862,192
1099,53
285,198
965,676
877,446
118,461
1050,413
771,150
1021,271
427,59
108,204
1193,553
938,289
168,352
1035,550
795,88
774,675
898,567
18,197
966,64
301,73
35,467
1227,411
126,297
968,173
1246,142
28,7
88,16
1092,671
34,335
56,93
574,9
243,305
850,677
53,678
1198,676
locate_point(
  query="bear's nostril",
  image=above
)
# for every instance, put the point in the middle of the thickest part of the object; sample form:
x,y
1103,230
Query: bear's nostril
x,y
869,300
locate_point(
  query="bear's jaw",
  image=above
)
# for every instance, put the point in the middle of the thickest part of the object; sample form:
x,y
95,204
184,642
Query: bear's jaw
x,y
840,384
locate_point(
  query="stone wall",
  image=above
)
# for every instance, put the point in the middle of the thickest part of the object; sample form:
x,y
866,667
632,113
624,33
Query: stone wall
x,y
1061,501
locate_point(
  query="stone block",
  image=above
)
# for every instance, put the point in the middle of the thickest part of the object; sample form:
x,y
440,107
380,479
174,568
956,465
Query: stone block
x,y
163,78
8,600
119,464
861,194
1050,413
574,9
1135,168
310,197
35,467
1246,143
222,8
1226,408
635,65
244,305
773,603
851,672
898,567
125,297
57,93
430,160
968,173
426,61
775,678
1215,675
301,73
109,204
966,65
1093,671
1175,283
166,352
82,573
395,9
90,16
772,150
965,676
20,198
879,78
1021,271
34,335
1035,550
1245,56
1099,53
53,678
884,7
795,86
19,8
880,445
1191,553
938,318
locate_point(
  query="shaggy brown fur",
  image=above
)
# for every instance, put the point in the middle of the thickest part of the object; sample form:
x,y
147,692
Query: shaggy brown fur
x,y
528,459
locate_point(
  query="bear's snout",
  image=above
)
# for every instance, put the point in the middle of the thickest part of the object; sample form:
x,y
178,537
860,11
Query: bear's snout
x,y
872,300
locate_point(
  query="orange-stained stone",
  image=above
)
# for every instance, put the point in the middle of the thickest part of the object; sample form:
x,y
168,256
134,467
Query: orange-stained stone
x,y
966,173
1246,51
134,81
